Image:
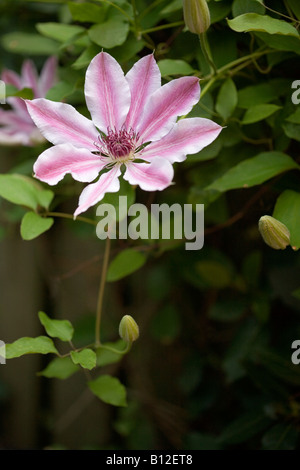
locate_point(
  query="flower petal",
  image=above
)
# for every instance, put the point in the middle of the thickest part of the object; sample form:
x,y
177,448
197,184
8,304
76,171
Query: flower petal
x,y
13,136
60,123
176,98
153,176
144,79
93,193
11,78
107,92
47,76
30,77
188,136
54,163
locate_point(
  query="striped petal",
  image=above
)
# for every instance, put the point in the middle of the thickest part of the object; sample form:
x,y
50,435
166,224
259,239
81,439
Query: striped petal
x,y
188,136
107,92
47,76
30,77
60,123
54,163
144,79
93,193
176,98
154,176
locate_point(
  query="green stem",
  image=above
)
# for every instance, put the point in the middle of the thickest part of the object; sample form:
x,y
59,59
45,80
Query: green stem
x,y
207,52
149,8
64,215
135,19
118,8
101,291
117,351
163,26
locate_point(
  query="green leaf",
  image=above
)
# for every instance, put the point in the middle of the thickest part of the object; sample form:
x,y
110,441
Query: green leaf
x,y
174,67
214,273
25,93
106,356
245,427
86,358
85,58
61,329
227,99
280,367
292,130
26,345
259,112
33,225
239,7
20,189
59,32
21,43
295,6
294,117
87,12
125,263
262,23
282,436
280,42
59,368
287,210
165,325
254,171
60,91
262,93
110,34
109,389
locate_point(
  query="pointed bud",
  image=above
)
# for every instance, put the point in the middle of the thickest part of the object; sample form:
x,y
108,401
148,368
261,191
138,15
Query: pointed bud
x,y
196,15
274,233
128,329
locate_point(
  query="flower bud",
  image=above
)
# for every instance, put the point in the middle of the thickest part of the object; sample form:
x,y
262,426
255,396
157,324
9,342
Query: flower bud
x,y
274,233
196,15
128,329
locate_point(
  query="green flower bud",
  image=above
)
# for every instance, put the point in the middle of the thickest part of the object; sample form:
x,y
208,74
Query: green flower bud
x,y
128,329
196,15
274,233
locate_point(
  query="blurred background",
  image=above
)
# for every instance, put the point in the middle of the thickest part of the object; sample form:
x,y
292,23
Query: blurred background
x,y
212,368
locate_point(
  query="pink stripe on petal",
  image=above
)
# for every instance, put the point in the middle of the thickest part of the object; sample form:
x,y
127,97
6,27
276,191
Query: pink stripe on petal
x,y
154,176
107,92
60,123
144,79
188,136
47,76
93,193
176,98
54,163
30,77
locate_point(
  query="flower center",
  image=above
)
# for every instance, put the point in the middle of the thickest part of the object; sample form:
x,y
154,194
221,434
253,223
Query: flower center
x,y
118,145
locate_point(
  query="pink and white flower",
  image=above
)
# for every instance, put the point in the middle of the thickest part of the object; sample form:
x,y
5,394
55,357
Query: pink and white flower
x,y
133,127
16,125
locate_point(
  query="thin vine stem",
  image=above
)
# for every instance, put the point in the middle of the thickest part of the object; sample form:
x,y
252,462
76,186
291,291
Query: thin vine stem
x,y
101,292
163,26
64,215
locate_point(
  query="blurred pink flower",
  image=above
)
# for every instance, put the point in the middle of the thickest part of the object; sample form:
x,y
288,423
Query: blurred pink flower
x,y
133,119
16,126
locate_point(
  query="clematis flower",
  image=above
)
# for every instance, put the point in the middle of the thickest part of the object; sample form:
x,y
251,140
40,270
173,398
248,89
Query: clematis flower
x,y
133,127
16,125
